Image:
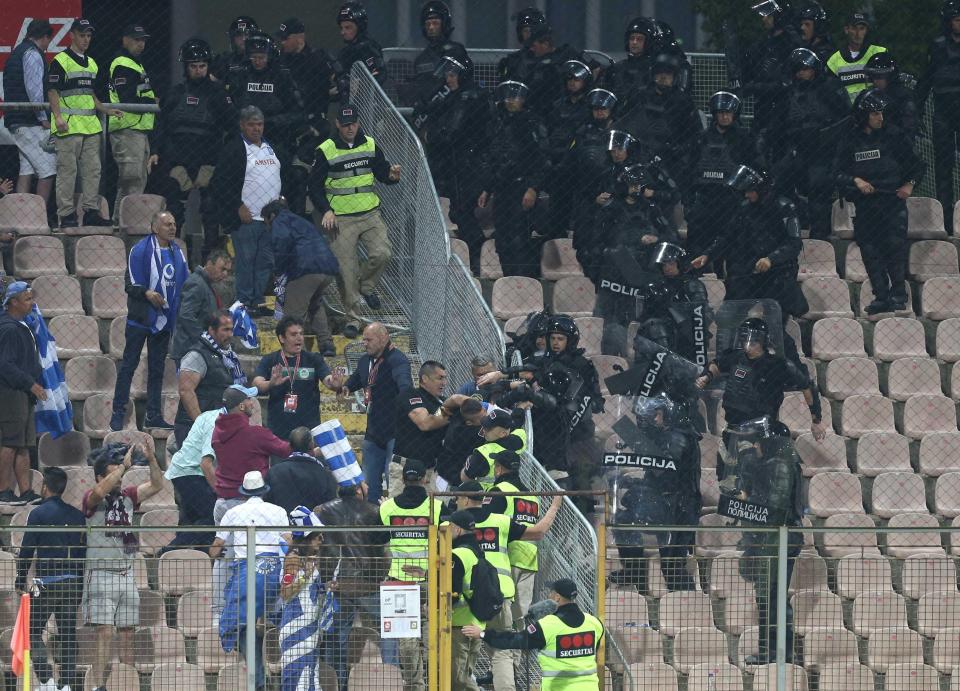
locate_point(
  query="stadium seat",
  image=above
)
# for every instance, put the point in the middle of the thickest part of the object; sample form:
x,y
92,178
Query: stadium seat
x,y
626,608
193,612
809,573
712,544
946,651
923,414
817,259
823,647
100,255
157,645
765,678
709,489
138,474
211,656
716,290
947,495
606,367
948,340
696,645
574,295
898,337
136,212
714,677
853,268
19,519
866,413
683,609
118,337
955,382
881,452
910,376
841,219
875,611
79,480
897,492
820,456
835,493
851,676
24,214
152,609
88,375
108,298
182,676
75,336
138,385
458,248
932,258
169,403
445,210
827,297
490,261
367,675
234,676
938,453
912,676
891,646
38,255
515,296
955,537
848,376
151,541
866,297
795,414
940,298
97,411
638,643
120,677
816,610
928,573
651,676
559,260
739,612
57,295
925,218
837,337
725,578
841,544
591,334
903,545
8,568
183,570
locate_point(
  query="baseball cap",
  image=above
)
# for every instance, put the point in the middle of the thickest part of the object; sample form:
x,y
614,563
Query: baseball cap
x,y
290,26
135,31
508,459
348,114
565,588
463,519
81,24
470,486
414,469
855,18
15,288
236,394
497,418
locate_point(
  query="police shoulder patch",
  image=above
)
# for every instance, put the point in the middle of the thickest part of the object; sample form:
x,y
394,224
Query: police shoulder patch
x,y
54,78
416,401
532,628
119,81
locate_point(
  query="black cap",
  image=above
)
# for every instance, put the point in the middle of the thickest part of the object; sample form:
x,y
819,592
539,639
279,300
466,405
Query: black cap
x,y
82,24
290,26
463,519
855,18
135,31
508,459
470,486
497,418
565,588
348,114
414,469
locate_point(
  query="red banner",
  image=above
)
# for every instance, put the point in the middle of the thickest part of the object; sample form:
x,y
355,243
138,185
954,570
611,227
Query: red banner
x,y
17,14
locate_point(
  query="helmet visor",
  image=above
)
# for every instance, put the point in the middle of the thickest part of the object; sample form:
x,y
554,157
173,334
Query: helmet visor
x,y
725,102
449,66
667,252
601,98
766,8
747,337
646,408
574,69
617,139
511,91
745,179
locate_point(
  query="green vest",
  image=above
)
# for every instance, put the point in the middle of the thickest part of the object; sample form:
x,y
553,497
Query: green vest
x,y
487,450
132,121
568,662
462,616
524,510
851,74
349,184
77,105
493,536
409,547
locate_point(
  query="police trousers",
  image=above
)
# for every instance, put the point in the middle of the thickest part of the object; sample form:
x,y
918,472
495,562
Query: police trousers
x,y
360,278
880,229
946,126
131,149
304,300
78,160
519,251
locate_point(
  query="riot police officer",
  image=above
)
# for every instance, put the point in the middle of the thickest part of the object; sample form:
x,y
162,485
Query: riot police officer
x,y
229,61
877,169
667,493
627,76
436,24
512,172
812,112
815,30
885,76
194,117
518,65
722,147
588,158
312,70
665,41
263,83
456,132
942,77
549,68
358,47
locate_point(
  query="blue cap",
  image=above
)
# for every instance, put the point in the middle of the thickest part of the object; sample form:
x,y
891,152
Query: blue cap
x,y
235,394
15,288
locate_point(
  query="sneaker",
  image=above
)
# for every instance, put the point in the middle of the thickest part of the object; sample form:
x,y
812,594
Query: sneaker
x,y
8,497
373,301
28,497
485,679
328,349
96,220
351,330
48,685
116,420
69,221
898,302
878,306
754,660
156,423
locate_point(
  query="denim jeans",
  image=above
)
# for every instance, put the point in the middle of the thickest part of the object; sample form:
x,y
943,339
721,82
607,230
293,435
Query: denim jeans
x,y
375,459
157,345
254,261
195,499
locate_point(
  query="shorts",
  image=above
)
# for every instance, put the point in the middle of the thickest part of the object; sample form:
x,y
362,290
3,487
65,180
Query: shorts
x,y
17,429
33,159
111,599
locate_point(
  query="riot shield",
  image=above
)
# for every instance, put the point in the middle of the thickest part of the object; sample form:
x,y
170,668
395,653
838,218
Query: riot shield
x,y
732,313
761,480
656,370
692,323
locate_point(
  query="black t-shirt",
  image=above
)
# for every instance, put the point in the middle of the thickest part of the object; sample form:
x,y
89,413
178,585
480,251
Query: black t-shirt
x,y
411,441
305,379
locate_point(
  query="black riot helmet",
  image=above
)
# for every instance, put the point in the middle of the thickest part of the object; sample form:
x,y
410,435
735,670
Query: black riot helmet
x,y
601,98
747,179
665,62
804,59
511,91
725,102
635,176
564,324
258,42
753,330
814,12
537,324
435,9
574,69
646,408
882,66
664,37
527,18
354,12
949,10
618,139
666,253
461,68
778,9
869,101
640,25
242,26
194,50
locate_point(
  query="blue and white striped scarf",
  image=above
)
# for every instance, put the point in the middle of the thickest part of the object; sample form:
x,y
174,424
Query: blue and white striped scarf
x,y
244,327
54,415
145,268
342,461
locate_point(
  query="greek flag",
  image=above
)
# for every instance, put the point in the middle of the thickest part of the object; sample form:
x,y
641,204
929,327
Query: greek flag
x,y
243,326
332,441
54,415
299,632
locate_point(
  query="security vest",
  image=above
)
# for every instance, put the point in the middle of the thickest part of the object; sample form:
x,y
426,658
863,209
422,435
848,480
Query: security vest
x,y
132,121
349,184
487,450
77,104
408,547
851,73
493,536
462,616
524,510
568,661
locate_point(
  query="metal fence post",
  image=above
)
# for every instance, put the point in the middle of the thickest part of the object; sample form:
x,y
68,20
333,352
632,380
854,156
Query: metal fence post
x,y
782,585
251,614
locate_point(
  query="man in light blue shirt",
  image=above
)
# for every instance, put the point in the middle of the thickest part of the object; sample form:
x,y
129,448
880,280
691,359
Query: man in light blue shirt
x,y
479,366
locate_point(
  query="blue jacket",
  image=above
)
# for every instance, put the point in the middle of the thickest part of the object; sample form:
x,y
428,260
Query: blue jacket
x,y
59,554
300,248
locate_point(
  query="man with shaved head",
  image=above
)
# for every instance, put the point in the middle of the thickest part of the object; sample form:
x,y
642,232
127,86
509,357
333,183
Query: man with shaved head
x,y
380,375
